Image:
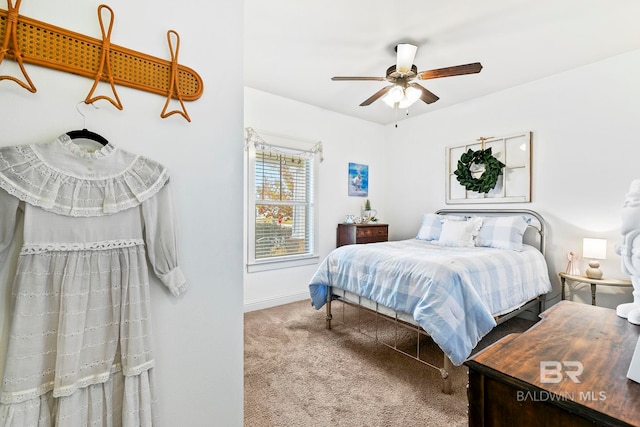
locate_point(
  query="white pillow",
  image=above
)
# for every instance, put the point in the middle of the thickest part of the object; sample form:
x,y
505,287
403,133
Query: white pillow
x,y
432,225
459,233
503,232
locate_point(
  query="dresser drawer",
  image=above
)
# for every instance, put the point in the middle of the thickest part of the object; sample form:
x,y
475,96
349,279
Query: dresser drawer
x,y
349,234
379,232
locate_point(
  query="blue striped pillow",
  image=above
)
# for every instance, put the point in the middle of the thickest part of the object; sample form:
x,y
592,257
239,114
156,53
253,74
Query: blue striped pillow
x,y
502,232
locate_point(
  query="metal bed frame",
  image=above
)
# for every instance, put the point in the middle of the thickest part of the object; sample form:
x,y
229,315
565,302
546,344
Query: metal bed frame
x,y
534,235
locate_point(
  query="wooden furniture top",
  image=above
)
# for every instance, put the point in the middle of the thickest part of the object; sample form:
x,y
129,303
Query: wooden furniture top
x,y
594,336
368,224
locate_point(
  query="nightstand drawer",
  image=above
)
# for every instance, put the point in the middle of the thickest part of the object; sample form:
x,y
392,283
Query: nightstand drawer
x,y
349,234
367,232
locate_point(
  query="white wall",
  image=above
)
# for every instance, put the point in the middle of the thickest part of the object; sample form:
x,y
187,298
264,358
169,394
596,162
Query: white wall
x,y
198,339
585,153
344,140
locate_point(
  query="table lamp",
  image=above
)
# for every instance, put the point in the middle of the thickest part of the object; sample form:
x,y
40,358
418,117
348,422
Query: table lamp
x,y
594,249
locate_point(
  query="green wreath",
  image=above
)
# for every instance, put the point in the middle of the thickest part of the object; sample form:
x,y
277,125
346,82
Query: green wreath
x,y
487,181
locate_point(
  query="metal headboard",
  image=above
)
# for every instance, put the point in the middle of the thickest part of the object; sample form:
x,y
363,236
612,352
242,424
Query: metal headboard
x,y
537,226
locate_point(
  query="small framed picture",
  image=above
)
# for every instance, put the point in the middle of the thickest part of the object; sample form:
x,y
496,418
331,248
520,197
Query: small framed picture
x,y
358,180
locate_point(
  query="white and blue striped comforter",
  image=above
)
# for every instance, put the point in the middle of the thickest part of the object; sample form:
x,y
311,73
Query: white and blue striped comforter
x,y
451,292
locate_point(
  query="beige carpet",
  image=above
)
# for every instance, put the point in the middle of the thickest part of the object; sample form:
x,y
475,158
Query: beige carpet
x,y
299,374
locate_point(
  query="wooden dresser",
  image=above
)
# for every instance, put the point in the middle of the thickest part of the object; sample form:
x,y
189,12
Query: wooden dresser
x,y
582,381
349,234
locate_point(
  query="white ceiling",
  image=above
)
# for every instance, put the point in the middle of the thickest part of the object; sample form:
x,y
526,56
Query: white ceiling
x,y
293,47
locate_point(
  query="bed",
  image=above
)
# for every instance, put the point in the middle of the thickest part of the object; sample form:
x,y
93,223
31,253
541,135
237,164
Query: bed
x,y
465,272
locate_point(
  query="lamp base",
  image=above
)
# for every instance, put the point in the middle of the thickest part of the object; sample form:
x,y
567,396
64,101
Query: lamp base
x,y
594,272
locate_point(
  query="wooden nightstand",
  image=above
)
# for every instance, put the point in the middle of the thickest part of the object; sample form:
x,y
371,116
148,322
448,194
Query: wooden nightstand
x,y
568,369
350,234
594,283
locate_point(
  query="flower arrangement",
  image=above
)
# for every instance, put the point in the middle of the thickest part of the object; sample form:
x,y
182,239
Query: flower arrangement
x,y
368,213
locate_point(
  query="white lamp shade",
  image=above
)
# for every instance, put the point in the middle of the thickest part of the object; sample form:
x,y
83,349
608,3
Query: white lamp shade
x,y
411,95
406,54
389,102
394,95
594,248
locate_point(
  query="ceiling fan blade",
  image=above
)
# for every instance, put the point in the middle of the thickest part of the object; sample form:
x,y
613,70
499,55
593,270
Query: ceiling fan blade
x,y
456,70
406,53
338,78
426,95
376,96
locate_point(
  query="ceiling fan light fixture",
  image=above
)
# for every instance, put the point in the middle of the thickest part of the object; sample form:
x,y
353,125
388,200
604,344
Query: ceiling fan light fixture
x,y
411,95
406,55
389,103
402,92
395,94
401,97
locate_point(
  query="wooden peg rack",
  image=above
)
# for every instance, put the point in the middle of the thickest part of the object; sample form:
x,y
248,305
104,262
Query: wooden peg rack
x,y
46,45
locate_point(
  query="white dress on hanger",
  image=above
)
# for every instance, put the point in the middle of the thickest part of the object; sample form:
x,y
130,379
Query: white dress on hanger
x,y
79,350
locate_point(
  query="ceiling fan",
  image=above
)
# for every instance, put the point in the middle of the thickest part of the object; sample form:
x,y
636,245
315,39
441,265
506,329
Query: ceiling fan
x,y
402,92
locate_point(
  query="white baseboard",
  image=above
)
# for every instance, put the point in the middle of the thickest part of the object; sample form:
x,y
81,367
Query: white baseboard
x,y
275,301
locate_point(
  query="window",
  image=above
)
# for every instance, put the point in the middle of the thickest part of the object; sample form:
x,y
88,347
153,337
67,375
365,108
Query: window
x,y
281,209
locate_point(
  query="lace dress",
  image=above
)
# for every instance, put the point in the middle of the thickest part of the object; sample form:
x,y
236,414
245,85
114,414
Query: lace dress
x,y
79,349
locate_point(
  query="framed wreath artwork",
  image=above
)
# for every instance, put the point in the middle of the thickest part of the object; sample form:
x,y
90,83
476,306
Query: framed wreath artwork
x,y
490,170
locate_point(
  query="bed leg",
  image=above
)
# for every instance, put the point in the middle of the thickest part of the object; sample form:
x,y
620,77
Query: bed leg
x,y
446,378
328,305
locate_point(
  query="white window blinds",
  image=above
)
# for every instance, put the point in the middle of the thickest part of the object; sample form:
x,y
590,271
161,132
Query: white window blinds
x,y
281,204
